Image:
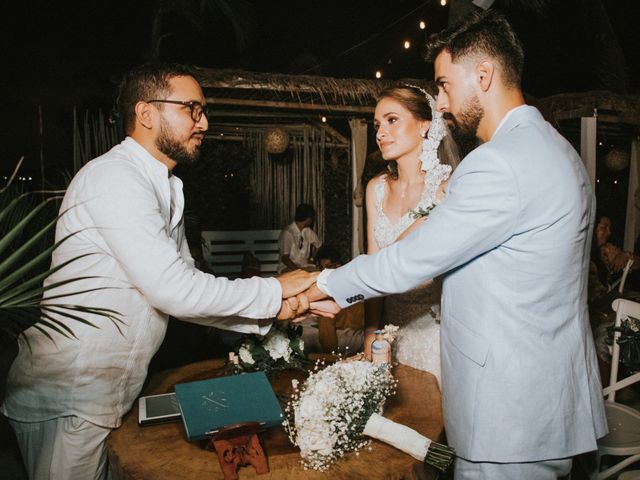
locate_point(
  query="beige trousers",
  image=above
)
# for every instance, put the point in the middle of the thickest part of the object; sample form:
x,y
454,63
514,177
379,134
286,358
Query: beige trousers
x,y
63,448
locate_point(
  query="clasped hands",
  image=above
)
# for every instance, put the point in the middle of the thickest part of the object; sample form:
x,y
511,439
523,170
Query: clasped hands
x,y
300,295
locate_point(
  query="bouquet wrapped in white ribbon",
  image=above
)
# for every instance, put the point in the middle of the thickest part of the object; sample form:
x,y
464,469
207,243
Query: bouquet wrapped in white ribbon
x,y
338,407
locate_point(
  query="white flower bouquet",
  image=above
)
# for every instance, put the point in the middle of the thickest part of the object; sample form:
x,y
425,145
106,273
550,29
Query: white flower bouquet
x,y
280,349
336,409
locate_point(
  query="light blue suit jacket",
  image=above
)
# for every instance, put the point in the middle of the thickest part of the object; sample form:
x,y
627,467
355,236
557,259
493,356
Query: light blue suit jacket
x,y
519,371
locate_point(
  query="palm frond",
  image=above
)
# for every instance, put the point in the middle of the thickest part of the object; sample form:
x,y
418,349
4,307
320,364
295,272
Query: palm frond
x,y
26,244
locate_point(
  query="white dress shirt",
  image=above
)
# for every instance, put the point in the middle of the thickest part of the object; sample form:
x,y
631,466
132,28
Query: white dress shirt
x,y
297,245
124,214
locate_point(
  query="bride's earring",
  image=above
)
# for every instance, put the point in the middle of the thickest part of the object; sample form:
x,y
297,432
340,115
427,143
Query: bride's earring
x,y
425,143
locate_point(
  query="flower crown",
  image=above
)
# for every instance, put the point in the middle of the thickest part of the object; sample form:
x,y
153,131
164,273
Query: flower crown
x,y
437,131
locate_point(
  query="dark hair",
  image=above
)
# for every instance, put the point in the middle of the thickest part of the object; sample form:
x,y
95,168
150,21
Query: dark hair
x,y
304,211
329,253
149,81
482,33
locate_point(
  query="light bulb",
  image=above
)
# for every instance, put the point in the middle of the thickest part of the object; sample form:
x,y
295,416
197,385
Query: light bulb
x,y
324,119
443,2
407,44
422,25
378,74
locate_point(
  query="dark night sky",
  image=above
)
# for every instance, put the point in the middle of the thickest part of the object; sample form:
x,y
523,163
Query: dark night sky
x,y
61,54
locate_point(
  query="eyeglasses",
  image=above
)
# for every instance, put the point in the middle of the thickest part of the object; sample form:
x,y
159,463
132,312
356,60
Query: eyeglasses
x,y
196,109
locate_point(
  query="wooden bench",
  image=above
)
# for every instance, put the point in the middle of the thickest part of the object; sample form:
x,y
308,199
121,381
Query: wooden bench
x,y
223,250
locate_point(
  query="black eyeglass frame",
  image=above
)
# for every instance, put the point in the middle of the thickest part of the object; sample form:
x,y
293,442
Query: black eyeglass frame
x,y
196,115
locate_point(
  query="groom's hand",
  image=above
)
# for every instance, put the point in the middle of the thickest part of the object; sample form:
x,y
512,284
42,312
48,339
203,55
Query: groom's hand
x,y
293,283
293,307
314,294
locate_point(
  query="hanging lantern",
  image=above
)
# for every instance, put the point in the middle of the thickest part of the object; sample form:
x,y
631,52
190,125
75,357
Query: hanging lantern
x,y
617,160
276,140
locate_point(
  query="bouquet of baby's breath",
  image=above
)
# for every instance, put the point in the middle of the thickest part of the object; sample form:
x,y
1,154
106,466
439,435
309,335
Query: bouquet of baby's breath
x,y
338,406
280,349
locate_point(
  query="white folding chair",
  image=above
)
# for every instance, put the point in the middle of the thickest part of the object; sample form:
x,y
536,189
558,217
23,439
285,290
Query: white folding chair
x,y
623,278
623,439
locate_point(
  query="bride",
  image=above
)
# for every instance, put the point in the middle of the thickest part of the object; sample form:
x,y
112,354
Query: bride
x,y
414,140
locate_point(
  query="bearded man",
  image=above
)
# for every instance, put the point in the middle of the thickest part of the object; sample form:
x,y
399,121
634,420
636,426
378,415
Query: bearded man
x,y
126,251
520,385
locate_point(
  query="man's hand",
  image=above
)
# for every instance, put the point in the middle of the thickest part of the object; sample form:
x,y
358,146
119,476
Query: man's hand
x,y
293,307
296,282
324,308
314,294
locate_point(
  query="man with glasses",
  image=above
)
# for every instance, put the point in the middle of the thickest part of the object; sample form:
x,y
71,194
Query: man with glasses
x,y
298,242
123,213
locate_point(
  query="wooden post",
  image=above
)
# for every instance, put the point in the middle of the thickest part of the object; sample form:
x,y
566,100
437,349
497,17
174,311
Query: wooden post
x,y
588,132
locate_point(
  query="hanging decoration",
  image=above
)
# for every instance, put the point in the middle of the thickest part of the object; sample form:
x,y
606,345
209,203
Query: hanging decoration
x,y
617,160
276,140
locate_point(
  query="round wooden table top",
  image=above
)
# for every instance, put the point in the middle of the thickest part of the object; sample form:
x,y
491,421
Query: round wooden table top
x,y
162,452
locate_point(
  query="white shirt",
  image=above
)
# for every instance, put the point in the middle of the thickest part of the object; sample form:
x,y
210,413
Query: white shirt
x,y
137,263
297,244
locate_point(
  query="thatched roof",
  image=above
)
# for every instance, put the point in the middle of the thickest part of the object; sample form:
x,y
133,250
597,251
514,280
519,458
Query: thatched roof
x,y
608,106
236,88
618,114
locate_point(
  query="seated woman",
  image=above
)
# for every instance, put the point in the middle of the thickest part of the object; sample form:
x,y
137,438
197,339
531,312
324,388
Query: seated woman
x,y
610,259
606,265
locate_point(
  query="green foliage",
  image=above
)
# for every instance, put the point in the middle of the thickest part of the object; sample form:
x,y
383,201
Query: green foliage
x,y
281,349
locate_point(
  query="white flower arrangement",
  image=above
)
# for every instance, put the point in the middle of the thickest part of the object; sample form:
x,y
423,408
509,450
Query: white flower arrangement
x,y
390,332
282,348
336,407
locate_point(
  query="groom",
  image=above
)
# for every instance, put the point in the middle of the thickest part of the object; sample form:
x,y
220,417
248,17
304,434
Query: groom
x,y
521,391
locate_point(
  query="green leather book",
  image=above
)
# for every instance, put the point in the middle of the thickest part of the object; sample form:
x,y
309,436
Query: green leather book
x,y
208,405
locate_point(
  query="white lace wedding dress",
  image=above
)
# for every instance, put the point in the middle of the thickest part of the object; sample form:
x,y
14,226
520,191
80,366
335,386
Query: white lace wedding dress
x,y
416,312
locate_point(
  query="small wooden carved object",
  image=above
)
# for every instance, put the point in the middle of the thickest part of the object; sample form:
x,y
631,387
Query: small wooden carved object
x,y
238,445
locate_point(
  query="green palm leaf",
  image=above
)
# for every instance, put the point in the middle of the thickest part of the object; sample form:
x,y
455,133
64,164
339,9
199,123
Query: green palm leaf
x,y
25,250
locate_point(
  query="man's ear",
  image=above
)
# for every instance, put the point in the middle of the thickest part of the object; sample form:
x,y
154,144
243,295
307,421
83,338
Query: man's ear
x,y
144,115
484,72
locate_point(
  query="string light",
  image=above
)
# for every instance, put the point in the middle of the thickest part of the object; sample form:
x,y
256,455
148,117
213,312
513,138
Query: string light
x,y
378,74
422,25
324,119
443,2
407,44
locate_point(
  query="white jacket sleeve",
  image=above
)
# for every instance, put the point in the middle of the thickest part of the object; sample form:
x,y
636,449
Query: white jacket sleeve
x,y
126,211
479,213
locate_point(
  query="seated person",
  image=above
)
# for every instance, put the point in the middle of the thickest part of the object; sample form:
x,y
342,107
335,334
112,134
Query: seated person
x,y
298,242
610,259
250,266
606,265
342,334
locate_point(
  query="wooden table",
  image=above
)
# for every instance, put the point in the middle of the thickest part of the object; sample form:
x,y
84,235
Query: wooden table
x,y
162,452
